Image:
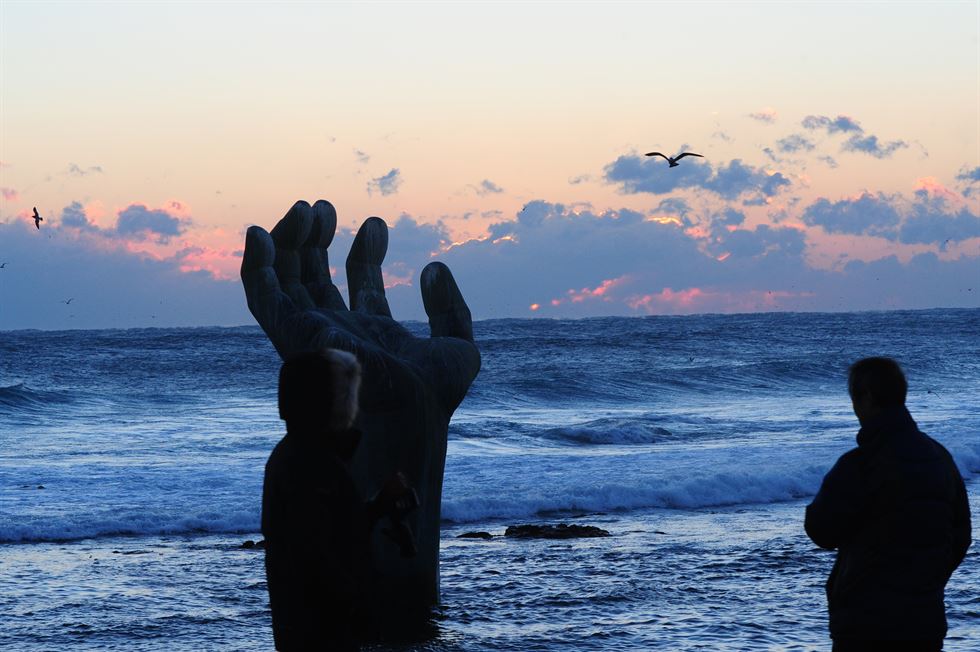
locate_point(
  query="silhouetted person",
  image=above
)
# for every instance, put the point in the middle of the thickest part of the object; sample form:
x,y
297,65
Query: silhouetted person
x,y
895,508
315,524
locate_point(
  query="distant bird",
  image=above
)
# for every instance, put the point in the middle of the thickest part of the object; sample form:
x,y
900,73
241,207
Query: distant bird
x,y
68,302
673,161
37,219
2,265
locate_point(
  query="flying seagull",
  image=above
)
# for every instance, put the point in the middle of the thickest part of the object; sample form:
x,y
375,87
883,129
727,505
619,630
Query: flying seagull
x,y
673,161
37,219
68,301
2,265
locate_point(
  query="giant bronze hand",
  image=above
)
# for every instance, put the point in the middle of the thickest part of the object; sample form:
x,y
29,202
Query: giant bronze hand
x,y
410,387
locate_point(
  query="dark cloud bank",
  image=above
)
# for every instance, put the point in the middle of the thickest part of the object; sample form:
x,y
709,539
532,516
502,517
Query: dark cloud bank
x,y
623,262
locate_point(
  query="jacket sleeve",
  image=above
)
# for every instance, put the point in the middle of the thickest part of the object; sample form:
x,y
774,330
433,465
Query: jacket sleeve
x,y
833,517
961,523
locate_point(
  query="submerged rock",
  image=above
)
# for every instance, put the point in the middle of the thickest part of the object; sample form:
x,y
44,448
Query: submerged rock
x,y
560,531
249,545
474,535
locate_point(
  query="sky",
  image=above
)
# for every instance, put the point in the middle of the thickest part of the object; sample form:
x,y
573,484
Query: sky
x,y
840,143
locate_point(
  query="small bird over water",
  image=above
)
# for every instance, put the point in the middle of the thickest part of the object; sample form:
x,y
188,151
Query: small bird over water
x,y
673,161
2,265
68,302
37,219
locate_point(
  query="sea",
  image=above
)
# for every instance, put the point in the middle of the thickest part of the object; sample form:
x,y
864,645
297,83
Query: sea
x,y
131,467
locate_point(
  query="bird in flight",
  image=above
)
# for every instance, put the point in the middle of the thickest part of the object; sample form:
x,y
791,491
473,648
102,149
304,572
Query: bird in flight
x,y
2,265
37,219
68,301
673,161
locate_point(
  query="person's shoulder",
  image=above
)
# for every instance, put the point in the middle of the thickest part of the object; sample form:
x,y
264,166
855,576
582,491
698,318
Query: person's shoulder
x,y
940,451
281,453
851,457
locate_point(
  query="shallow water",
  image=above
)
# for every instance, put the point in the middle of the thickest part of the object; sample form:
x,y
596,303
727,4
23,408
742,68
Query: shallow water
x,y
741,579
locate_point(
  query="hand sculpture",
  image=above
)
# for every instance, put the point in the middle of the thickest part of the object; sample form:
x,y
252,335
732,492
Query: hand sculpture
x,y
410,385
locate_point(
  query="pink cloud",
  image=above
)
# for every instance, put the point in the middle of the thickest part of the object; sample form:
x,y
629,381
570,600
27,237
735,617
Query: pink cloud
x,y
667,298
599,292
392,280
767,115
933,188
220,263
693,300
9,194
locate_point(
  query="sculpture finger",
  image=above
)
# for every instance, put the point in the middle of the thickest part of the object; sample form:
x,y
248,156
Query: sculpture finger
x,y
365,283
449,316
266,301
314,260
291,233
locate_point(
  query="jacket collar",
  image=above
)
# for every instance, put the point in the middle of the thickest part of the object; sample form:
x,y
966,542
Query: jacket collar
x,y
342,443
891,419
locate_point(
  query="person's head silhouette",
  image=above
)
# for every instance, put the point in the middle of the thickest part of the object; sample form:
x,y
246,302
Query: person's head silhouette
x,y
319,390
875,384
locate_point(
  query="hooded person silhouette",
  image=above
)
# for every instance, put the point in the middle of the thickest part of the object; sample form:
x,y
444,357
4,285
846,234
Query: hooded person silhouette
x,y
316,526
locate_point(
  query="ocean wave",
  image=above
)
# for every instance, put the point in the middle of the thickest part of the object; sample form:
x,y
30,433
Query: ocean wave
x,y
81,525
610,431
529,486
20,396
612,494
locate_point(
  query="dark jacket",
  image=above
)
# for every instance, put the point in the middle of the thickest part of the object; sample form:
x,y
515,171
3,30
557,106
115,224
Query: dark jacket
x,y
895,508
315,530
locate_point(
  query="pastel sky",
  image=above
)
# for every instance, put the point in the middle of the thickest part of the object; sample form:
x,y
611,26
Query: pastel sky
x,y
841,147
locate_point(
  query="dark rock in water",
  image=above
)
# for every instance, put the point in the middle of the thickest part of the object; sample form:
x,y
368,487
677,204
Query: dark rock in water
x,y
474,535
410,385
40,486
560,531
249,545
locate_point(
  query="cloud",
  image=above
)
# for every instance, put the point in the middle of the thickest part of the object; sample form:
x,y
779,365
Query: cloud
x,y
934,215
840,124
636,174
386,184
488,187
968,181
969,176
113,287
868,214
858,142
580,262
582,178
136,222
9,194
722,136
139,221
362,157
77,171
568,261
728,217
870,145
794,143
829,160
74,216
766,115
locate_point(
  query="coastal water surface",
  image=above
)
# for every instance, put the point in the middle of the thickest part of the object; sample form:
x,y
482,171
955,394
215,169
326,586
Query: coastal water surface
x,y
131,469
